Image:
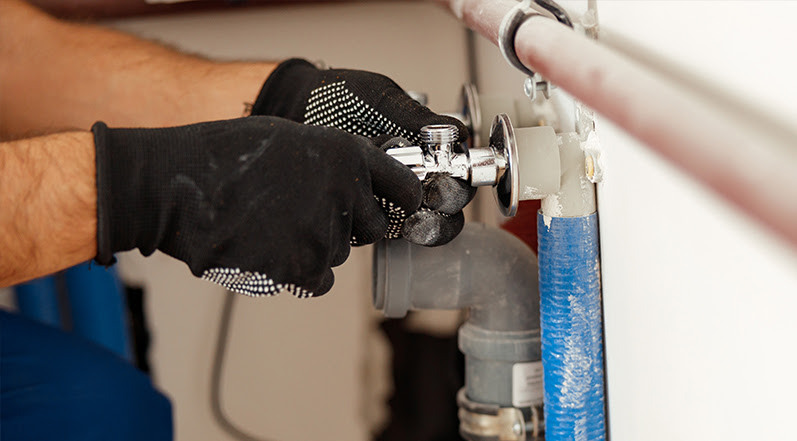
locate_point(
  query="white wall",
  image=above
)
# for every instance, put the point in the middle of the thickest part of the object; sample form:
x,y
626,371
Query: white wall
x,y
699,301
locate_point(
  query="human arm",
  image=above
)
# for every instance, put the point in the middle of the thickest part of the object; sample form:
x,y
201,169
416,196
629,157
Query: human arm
x,y
47,205
57,75
63,75
256,204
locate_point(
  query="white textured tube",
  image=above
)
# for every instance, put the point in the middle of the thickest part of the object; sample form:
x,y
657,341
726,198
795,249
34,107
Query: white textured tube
x,y
753,165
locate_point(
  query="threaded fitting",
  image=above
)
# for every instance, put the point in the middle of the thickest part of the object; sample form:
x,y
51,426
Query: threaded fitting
x,y
439,134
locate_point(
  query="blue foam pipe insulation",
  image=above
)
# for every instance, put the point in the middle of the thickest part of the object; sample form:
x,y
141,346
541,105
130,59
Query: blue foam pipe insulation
x,y
38,300
96,300
572,335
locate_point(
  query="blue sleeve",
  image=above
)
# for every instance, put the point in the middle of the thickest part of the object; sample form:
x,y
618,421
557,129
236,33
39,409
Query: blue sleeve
x,y
56,385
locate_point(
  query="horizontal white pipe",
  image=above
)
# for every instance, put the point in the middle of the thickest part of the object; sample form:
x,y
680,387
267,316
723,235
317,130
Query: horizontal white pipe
x,y
749,163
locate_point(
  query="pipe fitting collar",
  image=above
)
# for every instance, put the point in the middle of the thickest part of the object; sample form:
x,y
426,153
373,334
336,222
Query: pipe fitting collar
x,y
392,274
511,346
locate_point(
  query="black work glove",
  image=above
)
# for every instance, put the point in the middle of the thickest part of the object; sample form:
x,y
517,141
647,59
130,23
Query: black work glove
x,y
372,105
256,204
440,217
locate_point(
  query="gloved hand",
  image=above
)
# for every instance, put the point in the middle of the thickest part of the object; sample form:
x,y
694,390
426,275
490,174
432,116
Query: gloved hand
x,y
255,204
440,217
372,105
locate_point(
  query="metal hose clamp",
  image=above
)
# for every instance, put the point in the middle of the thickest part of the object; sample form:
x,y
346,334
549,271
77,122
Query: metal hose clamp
x,y
508,31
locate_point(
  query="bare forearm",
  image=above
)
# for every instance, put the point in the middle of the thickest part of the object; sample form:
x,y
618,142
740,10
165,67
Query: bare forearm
x,y
57,75
47,205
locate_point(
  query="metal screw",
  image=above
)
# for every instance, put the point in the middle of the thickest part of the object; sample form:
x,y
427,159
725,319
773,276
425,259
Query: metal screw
x,y
530,88
531,85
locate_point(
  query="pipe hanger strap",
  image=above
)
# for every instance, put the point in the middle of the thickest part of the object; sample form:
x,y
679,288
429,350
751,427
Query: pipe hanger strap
x,y
516,17
557,11
508,31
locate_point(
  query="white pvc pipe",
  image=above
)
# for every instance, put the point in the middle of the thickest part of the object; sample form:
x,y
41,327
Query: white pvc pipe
x,y
752,164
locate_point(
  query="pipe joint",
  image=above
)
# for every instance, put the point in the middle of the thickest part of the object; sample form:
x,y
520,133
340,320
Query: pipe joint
x,y
485,269
494,275
509,346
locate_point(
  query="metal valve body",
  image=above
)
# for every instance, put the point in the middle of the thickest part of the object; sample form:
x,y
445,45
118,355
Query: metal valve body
x,y
479,166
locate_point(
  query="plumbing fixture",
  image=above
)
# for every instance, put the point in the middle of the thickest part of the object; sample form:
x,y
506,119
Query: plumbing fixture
x,y
498,344
521,111
471,115
494,275
637,97
495,165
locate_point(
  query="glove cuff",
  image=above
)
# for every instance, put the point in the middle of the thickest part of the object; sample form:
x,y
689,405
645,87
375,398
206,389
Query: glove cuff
x,y
104,249
287,89
131,211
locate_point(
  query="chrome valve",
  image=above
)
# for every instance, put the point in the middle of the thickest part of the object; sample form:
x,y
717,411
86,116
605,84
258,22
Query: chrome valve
x,y
479,166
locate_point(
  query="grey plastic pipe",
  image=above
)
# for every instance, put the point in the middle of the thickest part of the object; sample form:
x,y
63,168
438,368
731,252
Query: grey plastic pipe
x,y
485,269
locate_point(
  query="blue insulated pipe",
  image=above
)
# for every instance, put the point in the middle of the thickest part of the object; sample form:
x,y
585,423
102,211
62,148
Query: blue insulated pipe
x,y
572,336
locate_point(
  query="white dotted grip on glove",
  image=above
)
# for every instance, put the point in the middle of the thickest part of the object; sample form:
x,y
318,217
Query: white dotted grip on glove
x,y
334,105
251,283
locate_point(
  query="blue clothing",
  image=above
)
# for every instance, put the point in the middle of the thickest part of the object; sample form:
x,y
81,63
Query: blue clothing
x,y
59,386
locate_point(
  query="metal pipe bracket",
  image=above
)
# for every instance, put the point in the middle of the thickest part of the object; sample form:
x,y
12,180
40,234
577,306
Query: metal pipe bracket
x,y
486,422
507,33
